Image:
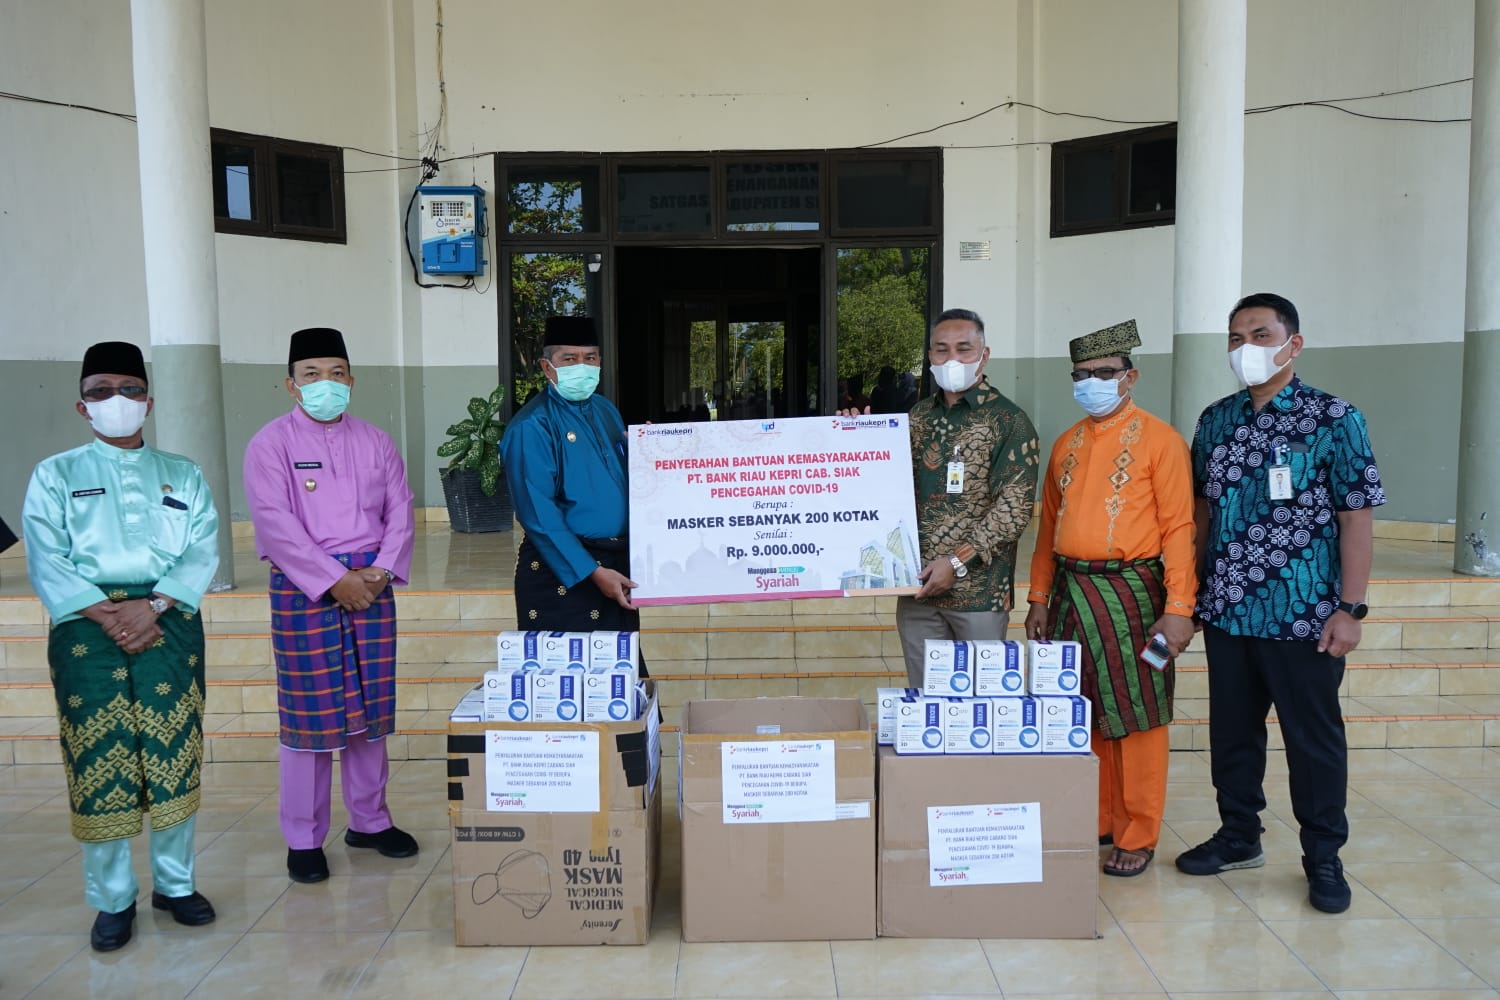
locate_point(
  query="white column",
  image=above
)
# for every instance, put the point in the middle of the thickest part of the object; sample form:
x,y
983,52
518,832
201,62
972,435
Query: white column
x,y
1477,538
1210,199
177,208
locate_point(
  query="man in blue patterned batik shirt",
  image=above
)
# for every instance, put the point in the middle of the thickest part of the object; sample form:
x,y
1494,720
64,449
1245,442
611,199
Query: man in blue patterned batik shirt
x,y
1286,484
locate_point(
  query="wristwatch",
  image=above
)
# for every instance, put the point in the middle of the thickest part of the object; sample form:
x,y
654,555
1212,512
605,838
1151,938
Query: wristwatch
x,y
959,569
1357,610
158,606
389,576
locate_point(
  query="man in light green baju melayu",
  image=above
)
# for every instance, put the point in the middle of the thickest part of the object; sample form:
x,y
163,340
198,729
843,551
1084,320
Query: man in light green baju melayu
x,y
120,547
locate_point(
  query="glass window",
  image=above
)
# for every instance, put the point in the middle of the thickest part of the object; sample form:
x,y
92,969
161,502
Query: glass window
x,y
882,326
772,197
542,285
234,181
885,194
1088,177
1153,176
548,199
665,199
304,191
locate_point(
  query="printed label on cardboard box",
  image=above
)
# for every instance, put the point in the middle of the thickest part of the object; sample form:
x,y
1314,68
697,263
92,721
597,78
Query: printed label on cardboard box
x,y
992,844
536,771
778,781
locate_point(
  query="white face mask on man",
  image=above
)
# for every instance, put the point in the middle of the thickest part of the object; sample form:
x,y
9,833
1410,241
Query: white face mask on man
x,y
953,375
117,416
1255,365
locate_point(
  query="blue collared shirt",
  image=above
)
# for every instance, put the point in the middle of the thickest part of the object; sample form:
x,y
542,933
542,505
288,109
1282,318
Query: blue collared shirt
x,y
565,463
1272,567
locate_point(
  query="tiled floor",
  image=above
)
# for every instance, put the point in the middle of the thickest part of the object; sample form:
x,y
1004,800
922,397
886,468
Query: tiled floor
x,y
1424,863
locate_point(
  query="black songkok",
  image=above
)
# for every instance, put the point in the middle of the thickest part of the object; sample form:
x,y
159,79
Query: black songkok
x,y
571,331
113,357
316,342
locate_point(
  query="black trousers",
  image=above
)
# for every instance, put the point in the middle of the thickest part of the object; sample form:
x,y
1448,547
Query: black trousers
x,y
542,602
1246,676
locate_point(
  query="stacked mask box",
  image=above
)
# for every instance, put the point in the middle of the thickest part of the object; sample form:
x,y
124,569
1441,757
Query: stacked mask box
x,y
564,677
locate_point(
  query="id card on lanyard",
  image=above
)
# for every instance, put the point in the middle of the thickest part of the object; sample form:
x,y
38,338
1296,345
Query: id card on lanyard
x,y
955,473
1279,480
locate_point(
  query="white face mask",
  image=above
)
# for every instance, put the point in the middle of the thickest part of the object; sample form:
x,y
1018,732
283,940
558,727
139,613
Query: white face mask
x,y
953,375
1255,365
116,417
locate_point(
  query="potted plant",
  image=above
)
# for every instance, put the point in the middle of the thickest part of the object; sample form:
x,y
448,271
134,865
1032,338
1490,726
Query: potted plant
x,y
477,496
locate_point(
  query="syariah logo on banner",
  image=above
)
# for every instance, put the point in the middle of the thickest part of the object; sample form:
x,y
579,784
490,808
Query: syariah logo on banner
x,y
749,810
952,874
508,800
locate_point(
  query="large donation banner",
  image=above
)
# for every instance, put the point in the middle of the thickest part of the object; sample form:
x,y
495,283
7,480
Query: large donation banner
x,y
746,510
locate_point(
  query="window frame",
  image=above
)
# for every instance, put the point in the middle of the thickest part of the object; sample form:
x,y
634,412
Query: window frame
x,y
267,149
1120,144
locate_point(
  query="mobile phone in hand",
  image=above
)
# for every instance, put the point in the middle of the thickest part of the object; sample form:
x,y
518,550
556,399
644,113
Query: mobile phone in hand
x,y
1157,652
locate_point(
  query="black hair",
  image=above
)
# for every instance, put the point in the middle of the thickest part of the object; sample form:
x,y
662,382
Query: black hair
x,y
1282,307
965,315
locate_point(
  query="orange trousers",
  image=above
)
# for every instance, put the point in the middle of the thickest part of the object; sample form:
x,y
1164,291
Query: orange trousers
x,y
1133,787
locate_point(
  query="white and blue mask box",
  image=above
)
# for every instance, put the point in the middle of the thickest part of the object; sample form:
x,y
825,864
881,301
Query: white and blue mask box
x,y
507,695
1054,666
886,700
966,725
615,649
919,725
1064,723
565,650
609,694
519,650
556,695
1013,726
999,668
949,669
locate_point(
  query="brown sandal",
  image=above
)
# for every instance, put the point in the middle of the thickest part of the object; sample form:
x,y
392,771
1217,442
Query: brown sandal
x,y
1111,867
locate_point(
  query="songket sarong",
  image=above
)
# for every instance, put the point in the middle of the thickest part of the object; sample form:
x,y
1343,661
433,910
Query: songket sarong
x,y
1107,605
542,602
131,727
335,669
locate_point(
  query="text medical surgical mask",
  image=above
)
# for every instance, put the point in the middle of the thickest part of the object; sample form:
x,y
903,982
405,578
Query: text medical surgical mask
x,y
953,375
325,400
1253,364
117,416
1098,396
577,382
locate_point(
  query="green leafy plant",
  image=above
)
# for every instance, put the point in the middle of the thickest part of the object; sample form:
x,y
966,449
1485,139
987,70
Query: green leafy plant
x,y
473,444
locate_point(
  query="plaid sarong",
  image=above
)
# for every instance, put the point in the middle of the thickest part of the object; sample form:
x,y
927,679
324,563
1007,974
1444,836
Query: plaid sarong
x,y
1107,605
335,670
131,727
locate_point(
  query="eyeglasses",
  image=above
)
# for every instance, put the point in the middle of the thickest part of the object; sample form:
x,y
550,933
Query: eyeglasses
x,y
1079,374
100,393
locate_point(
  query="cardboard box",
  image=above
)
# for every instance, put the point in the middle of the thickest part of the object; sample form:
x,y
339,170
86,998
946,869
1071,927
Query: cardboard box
x,y
1062,905
948,669
966,726
538,878
1065,724
745,878
999,668
1054,666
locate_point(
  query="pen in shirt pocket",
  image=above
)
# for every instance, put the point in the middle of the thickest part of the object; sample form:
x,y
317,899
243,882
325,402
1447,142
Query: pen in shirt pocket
x,y
174,503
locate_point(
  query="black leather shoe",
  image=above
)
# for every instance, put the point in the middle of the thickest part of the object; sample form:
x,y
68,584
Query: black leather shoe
x,y
112,930
308,865
391,842
193,909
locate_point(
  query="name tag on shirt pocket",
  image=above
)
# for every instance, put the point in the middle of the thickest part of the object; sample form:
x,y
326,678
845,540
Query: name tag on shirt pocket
x,y
307,465
88,493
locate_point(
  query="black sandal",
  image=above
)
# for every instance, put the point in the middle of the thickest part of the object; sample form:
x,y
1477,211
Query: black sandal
x,y
1147,853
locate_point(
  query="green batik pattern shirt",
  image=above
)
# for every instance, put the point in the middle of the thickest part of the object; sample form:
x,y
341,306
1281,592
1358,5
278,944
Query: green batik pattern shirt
x,y
998,446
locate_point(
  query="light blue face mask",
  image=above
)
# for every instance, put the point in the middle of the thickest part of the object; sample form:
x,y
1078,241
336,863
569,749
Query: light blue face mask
x,y
325,401
577,382
1098,396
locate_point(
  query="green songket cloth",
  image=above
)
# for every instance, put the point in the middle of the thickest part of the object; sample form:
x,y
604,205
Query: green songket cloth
x,y
131,726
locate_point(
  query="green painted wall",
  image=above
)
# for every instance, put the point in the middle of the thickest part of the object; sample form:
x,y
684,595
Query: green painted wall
x,y
1409,393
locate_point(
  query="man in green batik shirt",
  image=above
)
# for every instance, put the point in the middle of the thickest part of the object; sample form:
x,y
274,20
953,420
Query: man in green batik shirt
x,y
120,546
975,458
